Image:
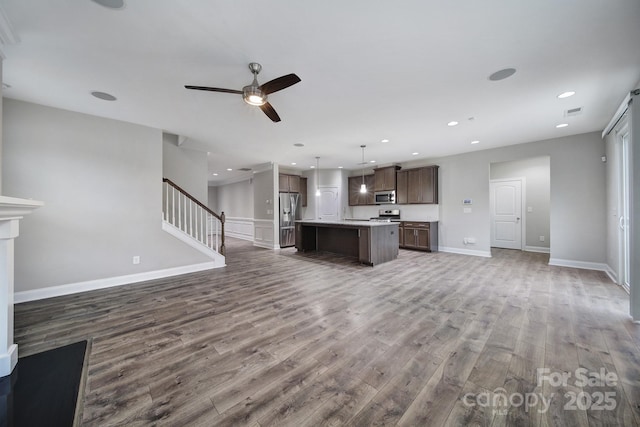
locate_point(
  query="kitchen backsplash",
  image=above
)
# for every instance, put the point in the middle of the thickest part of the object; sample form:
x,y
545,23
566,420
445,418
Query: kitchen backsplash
x,y
407,212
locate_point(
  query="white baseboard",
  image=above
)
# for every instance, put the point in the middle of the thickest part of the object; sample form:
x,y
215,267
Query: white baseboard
x,y
538,249
266,245
585,265
91,285
240,236
8,360
473,252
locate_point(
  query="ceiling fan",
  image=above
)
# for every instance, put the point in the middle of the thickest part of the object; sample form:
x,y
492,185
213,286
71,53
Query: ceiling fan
x,y
256,94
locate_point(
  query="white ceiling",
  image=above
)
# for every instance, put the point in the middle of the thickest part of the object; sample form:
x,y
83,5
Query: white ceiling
x,y
370,70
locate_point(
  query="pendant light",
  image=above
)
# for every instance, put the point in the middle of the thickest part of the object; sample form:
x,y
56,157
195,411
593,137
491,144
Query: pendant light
x,y
317,182
363,187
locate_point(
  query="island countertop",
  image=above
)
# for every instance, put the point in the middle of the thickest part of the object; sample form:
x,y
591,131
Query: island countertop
x,y
370,242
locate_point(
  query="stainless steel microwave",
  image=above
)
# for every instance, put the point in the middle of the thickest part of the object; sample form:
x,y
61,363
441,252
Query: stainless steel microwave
x,y
385,197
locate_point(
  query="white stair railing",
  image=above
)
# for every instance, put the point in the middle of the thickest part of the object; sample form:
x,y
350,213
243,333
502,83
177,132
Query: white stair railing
x,y
186,213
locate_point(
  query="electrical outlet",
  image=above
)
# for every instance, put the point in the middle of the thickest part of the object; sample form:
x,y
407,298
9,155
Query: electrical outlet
x,y
542,238
529,209
136,259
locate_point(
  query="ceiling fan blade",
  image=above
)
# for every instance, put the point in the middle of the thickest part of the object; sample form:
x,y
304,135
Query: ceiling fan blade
x,y
269,111
214,89
279,83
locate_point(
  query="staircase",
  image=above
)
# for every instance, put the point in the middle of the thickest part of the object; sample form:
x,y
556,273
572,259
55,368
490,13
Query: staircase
x,y
187,219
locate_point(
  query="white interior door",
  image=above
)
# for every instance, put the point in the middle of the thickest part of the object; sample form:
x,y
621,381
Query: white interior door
x,y
328,204
506,214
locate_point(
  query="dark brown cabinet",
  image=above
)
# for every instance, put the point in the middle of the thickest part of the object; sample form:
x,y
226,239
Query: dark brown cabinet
x,y
364,245
288,183
371,244
419,235
418,185
385,178
356,198
303,190
401,187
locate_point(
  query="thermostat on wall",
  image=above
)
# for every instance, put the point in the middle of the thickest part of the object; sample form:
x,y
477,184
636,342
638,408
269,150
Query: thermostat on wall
x,y
467,202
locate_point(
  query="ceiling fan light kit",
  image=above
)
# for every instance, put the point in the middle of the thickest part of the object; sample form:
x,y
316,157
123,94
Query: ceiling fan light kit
x,y
256,94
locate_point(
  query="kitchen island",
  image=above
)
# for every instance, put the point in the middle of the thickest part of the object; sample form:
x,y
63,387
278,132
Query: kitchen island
x,y
371,243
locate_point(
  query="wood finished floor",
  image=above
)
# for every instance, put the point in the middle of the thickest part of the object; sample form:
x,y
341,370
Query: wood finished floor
x,y
281,338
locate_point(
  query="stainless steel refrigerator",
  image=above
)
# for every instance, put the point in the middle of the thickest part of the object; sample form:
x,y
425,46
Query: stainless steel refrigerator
x,y
289,212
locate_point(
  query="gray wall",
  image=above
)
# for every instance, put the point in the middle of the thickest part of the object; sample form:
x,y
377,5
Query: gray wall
x,y
264,204
187,168
537,195
101,181
235,200
212,202
1,125
577,211
325,178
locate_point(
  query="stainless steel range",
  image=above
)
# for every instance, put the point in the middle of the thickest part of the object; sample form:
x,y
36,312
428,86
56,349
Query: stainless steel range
x,y
387,215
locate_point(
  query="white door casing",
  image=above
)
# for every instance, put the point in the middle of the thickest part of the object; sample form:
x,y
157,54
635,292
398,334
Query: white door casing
x,y
624,271
506,213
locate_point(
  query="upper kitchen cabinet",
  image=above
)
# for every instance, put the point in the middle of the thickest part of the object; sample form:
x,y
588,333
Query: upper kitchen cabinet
x,y
418,185
356,198
401,187
385,178
289,183
303,190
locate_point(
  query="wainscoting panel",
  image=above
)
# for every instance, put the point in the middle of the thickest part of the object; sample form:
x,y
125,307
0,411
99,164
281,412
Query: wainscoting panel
x,y
263,233
240,228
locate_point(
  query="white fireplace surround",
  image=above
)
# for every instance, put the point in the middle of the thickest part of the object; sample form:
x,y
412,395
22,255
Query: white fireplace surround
x,y
12,210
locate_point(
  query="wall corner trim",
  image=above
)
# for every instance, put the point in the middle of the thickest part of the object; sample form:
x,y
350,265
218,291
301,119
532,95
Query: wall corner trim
x,y
109,282
613,276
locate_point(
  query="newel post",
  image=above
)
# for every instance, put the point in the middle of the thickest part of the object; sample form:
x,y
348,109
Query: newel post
x,y
222,249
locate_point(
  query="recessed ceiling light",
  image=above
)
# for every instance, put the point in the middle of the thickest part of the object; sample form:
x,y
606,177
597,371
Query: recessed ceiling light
x,y
415,154
312,167
339,167
103,95
502,74
111,4
298,144
229,169
372,161
562,125
475,142
293,163
385,140
215,174
566,94
452,123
